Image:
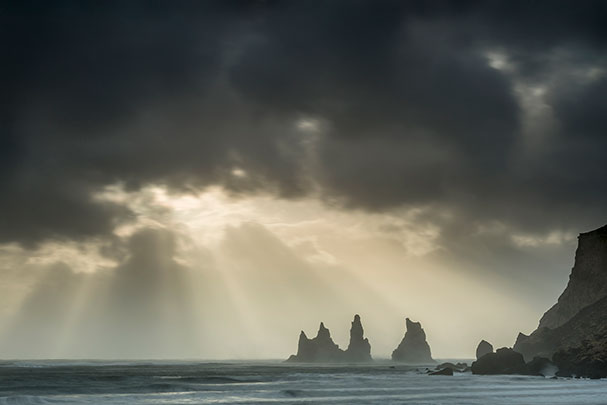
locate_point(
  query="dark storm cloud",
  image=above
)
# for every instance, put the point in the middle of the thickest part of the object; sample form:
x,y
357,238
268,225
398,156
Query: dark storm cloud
x,y
180,94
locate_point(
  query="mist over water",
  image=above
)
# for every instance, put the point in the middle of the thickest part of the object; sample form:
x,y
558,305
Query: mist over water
x,y
95,382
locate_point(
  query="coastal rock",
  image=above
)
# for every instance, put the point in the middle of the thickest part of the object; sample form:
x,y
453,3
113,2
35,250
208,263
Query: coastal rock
x,y
503,361
586,360
483,348
359,349
587,282
413,348
573,333
444,371
320,349
540,366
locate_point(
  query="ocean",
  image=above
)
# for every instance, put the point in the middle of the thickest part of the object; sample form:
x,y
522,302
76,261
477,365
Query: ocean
x,y
273,382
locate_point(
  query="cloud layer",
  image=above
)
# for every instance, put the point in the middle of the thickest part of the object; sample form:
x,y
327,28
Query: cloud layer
x,y
407,106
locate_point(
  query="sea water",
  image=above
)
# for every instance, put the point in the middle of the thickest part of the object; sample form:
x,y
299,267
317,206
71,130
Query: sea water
x,y
166,382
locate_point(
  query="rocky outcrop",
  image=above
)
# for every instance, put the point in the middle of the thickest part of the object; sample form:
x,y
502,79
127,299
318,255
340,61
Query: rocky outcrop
x,y
322,349
503,361
581,340
483,348
587,360
507,361
541,366
359,349
413,348
573,333
587,282
443,371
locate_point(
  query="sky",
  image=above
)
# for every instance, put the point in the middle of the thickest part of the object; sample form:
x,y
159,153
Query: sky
x,y
204,179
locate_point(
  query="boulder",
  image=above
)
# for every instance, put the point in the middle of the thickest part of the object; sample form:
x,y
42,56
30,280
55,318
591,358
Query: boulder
x,y
503,361
444,371
483,348
413,348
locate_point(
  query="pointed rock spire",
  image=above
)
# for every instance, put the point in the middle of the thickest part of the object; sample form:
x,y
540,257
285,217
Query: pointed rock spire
x,y
359,349
413,348
320,349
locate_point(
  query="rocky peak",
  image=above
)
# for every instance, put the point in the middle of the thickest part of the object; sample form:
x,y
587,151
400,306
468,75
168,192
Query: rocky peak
x,y
483,348
359,349
587,282
323,333
323,349
413,348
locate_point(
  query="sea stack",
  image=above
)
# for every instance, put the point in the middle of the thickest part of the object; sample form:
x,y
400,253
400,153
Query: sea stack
x,y
322,349
413,348
483,348
359,349
573,333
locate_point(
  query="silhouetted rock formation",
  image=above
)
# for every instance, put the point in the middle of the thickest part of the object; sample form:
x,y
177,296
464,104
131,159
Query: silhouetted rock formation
x,y
503,361
322,349
483,348
540,366
359,349
413,348
587,282
573,333
580,341
444,371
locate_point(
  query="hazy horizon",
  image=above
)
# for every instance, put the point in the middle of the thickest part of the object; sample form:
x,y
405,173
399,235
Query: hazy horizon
x,y
204,180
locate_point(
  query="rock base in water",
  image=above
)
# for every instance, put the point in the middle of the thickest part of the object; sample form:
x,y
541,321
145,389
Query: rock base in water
x,y
507,361
503,361
413,348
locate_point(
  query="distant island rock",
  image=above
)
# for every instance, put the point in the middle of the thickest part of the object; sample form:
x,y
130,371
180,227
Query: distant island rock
x,y
322,349
359,349
413,348
483,348
573,333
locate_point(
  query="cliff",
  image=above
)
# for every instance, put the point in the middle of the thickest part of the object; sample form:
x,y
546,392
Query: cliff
x,y
574,331
587,282
413,348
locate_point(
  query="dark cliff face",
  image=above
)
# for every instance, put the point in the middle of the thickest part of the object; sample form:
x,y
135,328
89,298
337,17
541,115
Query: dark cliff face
x,y
413,348
574,331
588,327
322,349
587,282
